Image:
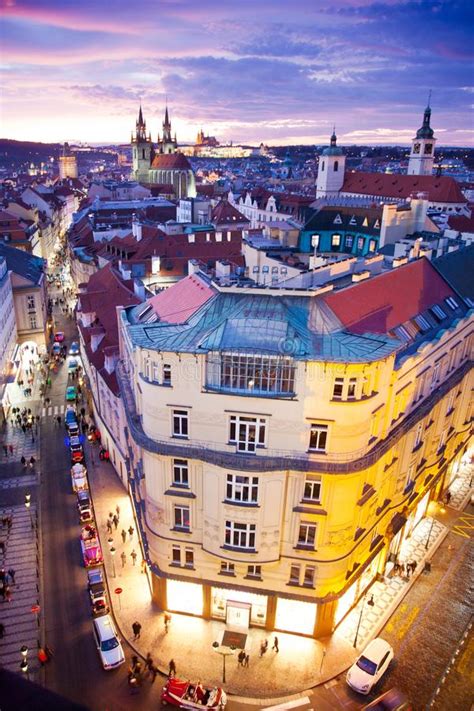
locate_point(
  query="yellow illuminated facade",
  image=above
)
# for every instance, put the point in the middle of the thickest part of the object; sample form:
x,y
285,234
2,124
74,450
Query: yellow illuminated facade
x,y
274,489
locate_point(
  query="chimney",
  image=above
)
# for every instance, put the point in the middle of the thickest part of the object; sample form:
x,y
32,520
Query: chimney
x,y
360,276
222,268
193,266
139,289
136,228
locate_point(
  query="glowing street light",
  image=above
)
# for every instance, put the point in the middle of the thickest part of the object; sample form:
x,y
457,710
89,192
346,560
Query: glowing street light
x,y
28,507
371,603
112,553
224,652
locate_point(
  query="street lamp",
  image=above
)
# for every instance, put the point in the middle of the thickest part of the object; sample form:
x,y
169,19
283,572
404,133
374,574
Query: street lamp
x,y
369,602
224,652
429,534
112,553
24,651
24,668
27,506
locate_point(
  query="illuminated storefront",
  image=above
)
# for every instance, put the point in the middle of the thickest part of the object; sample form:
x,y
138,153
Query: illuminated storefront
x,y
295,616
221,601
184,597
352,594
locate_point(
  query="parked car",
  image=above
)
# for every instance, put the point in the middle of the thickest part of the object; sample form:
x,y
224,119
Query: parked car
x,y
77,453
74,349
73,365
369,668
188,695
59,336
107,642
84,504
79,477
71,393
97,592
91,550
392,700
56,349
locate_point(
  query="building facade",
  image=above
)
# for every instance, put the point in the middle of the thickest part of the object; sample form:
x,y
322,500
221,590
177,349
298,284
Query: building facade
x,y
283,444
422,148
8,338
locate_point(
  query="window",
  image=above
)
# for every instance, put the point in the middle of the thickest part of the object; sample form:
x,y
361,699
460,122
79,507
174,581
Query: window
x,y
166,374
181,517
315,241
240,535
410,477
251,373
351,389
435,375
335,241
30,301
247,433
242,488
372,245
191,238
33,321
360,244
189,558
452,303
349,241
420,385
318,438
176,555
295,572
180,472
312,490
307,535
442,439
227,568
180,423
450,403
254,571
309,573
336,166
338,388
438,313
418,435
155,372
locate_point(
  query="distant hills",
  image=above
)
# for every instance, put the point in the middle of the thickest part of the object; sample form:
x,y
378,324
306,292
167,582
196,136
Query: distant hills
x,y
19,154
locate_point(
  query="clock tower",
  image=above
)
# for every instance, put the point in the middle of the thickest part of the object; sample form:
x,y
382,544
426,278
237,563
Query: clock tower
x,y
422,148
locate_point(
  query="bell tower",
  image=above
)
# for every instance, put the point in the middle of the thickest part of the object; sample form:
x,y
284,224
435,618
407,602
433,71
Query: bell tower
x,y
141,150
167,144
423,147
332,165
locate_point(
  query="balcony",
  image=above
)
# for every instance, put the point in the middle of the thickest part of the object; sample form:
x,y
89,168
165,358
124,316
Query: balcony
x,y
224,455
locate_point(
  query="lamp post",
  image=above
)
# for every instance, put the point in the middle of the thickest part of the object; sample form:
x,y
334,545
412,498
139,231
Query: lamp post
x,y
112,553
224,652
27,506
369,602
429,534
24,668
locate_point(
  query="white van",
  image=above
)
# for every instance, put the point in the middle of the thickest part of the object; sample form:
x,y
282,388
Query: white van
x,y
107,642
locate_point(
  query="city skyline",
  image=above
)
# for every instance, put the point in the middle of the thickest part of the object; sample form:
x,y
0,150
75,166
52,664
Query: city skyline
x,y
250,73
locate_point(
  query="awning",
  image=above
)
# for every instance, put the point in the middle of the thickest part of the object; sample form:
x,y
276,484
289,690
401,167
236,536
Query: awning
x,y
397,522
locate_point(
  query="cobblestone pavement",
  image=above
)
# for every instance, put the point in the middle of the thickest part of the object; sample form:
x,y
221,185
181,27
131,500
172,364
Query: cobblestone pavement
x,y
456,693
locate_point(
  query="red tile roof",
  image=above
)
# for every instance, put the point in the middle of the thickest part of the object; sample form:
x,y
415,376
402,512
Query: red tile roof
x,y
224,213
171,161
461,223
383,302
385,185
178,303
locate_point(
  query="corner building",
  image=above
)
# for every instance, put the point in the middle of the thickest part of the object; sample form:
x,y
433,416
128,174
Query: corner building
x,y
283,443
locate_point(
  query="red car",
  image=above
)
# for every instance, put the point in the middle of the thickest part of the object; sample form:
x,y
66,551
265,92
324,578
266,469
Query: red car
x,y
187,695
59,337
91,550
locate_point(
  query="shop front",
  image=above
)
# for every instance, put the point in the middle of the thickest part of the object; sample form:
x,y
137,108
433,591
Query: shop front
x,y
238,608
347,601
295,616
185,597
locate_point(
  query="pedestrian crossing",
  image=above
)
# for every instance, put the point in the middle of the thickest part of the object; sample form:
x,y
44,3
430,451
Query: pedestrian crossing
x,y
53,410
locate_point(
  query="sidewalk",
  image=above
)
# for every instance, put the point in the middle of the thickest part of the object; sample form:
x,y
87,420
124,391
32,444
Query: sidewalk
x,y
299,665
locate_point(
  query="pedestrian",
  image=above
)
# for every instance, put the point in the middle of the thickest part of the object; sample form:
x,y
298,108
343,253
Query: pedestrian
x,y
11,573
32,462
23,461
117,508
263,647
124,535
58,418
5,449
413,566
130,531
136,627
11,449
123,556
153,673
109,526
8,593
115,520
23,427
246,660
275,644
402,570
171,668
2,630
143,568
134,556
448,497
241,658
167,621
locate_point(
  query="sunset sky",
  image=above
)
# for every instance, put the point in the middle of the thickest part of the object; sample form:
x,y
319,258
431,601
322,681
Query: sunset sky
x,y
278,71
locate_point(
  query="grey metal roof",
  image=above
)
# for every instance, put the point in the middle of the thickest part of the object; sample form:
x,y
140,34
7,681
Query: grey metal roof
x,y
23,263
302,327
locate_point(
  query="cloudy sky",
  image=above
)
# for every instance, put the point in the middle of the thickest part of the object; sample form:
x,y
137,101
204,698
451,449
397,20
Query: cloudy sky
x,y
279,71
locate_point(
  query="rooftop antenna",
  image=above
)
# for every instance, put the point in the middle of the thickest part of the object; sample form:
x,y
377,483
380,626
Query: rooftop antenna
x,y
429,98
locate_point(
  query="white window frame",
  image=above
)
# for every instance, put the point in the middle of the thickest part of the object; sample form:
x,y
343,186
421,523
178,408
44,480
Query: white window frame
x,y
166,374
254,571
338,382
227,568
180,472
306,539
295,574
30,302
180,513
247,433
352,389
313,486
180,423
176,555
322,433
155,372
188,552
240,535
242,489
33,322
418,435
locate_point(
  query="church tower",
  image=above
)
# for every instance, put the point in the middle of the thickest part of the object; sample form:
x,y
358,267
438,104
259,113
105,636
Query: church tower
x,y
332,164
167,144
422,148
141,151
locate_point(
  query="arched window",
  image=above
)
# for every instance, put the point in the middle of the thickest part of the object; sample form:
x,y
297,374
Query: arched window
x,y
322,167
336,166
